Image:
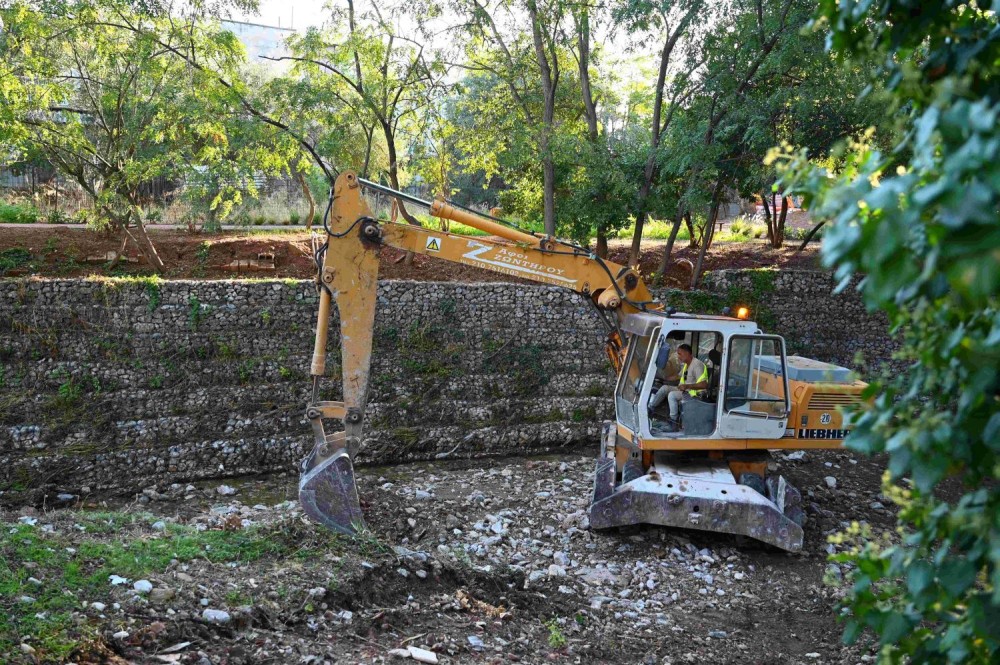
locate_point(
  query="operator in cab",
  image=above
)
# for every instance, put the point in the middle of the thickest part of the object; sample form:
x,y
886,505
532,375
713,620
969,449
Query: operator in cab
x,y
693,378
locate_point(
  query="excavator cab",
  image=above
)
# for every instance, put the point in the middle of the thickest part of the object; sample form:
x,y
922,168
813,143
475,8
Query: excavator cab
x,y
747,389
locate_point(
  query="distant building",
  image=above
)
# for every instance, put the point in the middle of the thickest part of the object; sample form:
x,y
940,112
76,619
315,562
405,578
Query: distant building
x,y
261,40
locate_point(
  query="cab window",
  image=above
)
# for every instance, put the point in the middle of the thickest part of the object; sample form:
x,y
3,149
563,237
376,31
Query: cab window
x,y
635,371
755,384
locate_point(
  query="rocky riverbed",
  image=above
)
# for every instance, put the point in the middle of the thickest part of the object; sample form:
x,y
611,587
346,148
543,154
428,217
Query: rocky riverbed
x,y
482,562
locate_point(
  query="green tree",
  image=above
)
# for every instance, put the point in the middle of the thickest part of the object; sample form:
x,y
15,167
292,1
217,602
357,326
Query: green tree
x,y
922,224
362,63
531,64
99,89
755,45
680,26
809,100
598,185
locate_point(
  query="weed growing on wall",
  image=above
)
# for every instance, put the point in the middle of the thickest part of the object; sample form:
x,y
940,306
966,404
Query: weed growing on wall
x,y
523,365
194,312
757,296
431,350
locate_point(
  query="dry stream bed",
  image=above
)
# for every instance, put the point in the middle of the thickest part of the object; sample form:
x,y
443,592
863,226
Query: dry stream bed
x,y
486,561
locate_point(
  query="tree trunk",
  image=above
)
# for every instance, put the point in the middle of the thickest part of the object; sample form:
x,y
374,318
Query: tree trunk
x,y
713,212
602,243
121,252
779,226
768,219
301,176
146,245
661,274
589,107
390,142
649,173
548,119
692,239
549,190
809,236
369,135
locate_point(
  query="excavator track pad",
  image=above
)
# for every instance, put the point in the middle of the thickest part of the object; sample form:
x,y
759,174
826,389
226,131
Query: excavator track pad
x,y
328,494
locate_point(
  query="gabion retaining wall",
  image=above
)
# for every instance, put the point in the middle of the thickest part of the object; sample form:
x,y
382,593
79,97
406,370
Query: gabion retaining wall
x,y
118,385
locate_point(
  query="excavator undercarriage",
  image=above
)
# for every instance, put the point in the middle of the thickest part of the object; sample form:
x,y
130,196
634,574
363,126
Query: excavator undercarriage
x,y
693,491
705,468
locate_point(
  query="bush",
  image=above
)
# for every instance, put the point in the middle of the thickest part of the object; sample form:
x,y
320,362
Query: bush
x,y
920,224
83,216
742,229
293,218
57,217
655,229
13,213
12,258
800,234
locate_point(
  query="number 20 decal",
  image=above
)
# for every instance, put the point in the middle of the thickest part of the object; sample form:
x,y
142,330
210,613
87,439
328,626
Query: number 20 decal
x,y
825,419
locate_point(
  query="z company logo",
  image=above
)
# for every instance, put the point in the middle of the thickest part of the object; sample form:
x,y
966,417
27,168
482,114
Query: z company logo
x,y
514,263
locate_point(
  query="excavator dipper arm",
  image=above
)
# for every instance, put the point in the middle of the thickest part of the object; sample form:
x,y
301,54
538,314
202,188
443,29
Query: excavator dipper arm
x,y
348,276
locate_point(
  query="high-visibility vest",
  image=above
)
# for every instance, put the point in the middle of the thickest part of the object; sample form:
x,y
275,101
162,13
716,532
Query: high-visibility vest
x,y
703,377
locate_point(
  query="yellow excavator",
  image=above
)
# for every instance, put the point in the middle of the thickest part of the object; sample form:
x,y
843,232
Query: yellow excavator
x,y
705,467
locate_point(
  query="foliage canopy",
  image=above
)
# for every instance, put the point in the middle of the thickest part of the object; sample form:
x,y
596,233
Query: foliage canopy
x,y
922,223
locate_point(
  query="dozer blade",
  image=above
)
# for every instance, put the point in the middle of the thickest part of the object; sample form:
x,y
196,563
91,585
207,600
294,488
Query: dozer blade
x,y
328,494
702,495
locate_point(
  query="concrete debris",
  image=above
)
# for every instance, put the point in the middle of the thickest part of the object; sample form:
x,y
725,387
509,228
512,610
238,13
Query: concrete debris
x,y
216,616
423,655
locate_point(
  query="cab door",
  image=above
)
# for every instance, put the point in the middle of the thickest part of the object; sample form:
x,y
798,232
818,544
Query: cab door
x,y
630,381
754,396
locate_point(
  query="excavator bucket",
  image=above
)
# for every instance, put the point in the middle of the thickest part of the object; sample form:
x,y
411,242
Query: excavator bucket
x,y
328,494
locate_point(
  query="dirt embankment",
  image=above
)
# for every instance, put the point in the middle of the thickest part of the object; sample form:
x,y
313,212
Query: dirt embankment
x,y
72,252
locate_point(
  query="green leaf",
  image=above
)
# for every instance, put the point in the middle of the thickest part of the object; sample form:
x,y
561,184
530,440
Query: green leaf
x,y
919,576
852,631
991,433
956,575
894,628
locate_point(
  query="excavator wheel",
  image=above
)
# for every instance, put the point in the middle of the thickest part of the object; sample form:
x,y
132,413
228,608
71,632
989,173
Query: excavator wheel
x,y
631,470
754,481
